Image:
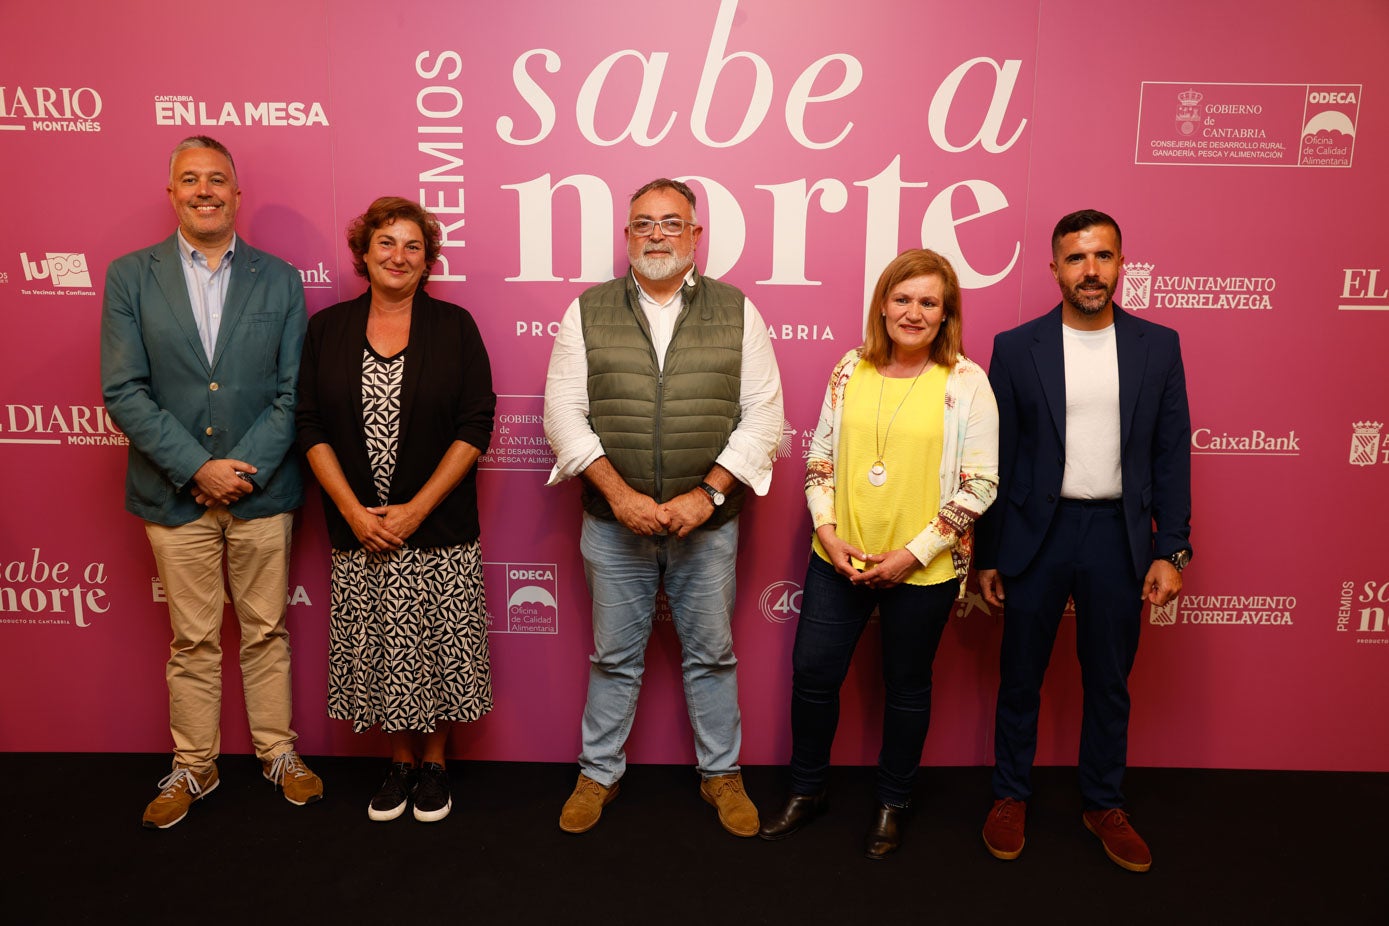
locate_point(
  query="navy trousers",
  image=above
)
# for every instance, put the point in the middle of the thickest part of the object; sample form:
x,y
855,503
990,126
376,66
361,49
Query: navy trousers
x,y
1085,556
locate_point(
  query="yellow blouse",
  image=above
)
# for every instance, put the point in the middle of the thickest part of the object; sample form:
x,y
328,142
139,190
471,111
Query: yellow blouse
x,y
877,519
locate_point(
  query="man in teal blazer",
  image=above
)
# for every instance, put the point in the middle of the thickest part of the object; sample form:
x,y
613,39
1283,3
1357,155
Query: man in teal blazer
x,y
200,342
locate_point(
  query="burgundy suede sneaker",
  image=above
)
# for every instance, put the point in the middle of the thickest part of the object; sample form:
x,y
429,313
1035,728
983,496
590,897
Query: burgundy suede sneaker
x,y
1124,847
1003,830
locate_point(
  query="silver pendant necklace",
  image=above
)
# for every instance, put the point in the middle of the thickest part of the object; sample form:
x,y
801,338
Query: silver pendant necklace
x,y
877,473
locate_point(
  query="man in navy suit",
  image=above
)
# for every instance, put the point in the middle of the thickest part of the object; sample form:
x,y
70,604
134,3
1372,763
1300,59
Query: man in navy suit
x,y
1094,505
200,342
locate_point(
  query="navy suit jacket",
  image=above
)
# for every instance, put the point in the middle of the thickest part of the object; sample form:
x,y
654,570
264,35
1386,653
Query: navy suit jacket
x,y
1028,376
179,409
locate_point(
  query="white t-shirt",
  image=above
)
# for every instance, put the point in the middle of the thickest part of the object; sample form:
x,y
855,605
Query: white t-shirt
x,y
1092,415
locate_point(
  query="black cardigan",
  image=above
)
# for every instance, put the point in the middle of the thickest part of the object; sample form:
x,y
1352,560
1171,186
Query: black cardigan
x,y
446,395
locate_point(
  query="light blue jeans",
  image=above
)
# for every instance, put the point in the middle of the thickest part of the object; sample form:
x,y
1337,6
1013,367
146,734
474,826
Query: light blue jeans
x,y
624,571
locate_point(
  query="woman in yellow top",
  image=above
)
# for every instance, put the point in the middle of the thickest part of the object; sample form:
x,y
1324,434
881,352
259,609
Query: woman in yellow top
x,y
904,459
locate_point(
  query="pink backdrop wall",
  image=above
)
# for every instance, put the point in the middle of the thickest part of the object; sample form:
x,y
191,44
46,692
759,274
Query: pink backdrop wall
x,y
1242,147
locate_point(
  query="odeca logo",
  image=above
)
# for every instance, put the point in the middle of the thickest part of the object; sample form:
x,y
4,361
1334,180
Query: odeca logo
x,y
1144,288
62,269
1360,613
530,591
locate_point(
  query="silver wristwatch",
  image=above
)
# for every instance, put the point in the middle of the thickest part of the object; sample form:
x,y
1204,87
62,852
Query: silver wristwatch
x,y
715,496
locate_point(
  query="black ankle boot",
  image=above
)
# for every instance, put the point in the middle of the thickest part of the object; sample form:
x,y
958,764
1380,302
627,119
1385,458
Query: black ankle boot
x,y
885,832
800,809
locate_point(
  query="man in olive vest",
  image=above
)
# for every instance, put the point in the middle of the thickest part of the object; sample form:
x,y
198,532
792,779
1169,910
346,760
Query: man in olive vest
x,y
663,394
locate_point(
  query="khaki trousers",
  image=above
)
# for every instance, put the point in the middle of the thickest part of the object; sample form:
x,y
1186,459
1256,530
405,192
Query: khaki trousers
x,y
189,558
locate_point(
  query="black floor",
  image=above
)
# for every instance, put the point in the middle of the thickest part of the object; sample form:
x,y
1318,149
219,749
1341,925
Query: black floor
x,y
1229,847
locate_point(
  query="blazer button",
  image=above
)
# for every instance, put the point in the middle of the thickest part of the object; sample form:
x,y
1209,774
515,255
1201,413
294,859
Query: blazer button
x,y
1051,499
208,432
213,387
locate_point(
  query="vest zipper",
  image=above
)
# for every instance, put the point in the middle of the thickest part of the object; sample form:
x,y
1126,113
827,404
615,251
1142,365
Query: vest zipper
x,y
656,428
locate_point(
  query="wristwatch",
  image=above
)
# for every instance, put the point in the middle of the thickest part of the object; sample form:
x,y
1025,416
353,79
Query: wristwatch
x,y
1180,559
715,496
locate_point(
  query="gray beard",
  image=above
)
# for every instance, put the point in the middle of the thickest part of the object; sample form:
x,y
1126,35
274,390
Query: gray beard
x,y
660,266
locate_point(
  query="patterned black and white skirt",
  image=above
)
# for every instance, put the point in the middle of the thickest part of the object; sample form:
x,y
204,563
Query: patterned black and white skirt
x,y
407,645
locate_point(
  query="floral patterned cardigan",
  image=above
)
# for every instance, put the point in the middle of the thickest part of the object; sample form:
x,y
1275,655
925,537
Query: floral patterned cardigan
x,y
968,464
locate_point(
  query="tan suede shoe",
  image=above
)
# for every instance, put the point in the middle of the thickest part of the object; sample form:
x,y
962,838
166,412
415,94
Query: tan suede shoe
x,y
585,805
300,786
177,792
736,812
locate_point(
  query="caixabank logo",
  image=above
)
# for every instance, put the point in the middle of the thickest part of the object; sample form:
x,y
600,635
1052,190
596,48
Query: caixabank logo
x,y
1145,287
1245,442
49,109
522,597
1360,612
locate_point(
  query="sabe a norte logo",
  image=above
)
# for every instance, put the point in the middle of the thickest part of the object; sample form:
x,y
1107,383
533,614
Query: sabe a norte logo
x,y
1361,611
36,592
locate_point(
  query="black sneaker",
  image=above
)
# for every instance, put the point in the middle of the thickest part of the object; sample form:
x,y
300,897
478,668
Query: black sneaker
x,y
390,799
432,800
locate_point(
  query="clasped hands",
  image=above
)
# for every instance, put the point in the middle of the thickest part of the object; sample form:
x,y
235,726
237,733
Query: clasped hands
x,y
221,482
884,570
385,527
642,515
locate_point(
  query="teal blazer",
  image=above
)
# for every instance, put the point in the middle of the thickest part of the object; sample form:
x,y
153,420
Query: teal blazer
x,y
179,410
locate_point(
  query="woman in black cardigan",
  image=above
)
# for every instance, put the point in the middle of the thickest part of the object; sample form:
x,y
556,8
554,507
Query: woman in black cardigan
x,y
395,407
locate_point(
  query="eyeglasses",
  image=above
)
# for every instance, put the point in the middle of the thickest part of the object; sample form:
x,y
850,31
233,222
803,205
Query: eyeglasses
x,y
644,227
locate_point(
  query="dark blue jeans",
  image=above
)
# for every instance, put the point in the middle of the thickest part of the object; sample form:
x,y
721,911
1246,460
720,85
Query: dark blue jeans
x,y
834,612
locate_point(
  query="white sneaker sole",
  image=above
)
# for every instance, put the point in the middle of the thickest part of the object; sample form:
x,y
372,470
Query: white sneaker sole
x,y
434,816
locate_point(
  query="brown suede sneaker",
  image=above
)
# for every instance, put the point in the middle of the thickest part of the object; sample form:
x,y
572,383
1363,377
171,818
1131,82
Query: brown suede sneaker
x,y
585,805
1124,847
736,812
1003,830
300,786
177,792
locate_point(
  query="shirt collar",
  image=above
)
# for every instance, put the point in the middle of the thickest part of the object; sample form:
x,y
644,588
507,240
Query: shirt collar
x,y
643,294
186,250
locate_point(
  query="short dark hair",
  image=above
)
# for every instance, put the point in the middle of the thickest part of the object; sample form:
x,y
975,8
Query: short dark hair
x,y
384,211
664,183
201,141
1079,221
